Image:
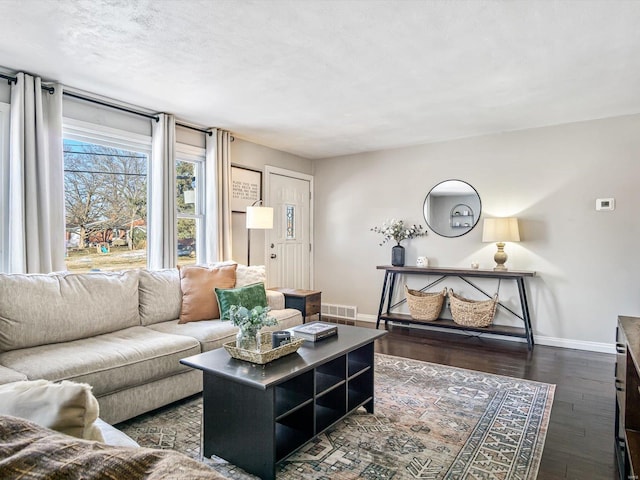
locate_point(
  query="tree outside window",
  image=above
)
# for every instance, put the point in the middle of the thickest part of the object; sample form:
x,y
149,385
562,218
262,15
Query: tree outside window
x,y
106,207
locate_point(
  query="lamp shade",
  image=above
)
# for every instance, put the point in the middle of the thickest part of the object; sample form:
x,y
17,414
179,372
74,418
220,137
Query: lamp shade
x,y
260,217
500,230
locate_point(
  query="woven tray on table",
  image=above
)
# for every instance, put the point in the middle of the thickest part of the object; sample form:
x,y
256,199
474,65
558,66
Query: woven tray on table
x,y
424,305
267,353
472,313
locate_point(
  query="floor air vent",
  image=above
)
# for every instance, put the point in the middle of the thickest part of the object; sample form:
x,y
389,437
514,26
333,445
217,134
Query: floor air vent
x,y
349,312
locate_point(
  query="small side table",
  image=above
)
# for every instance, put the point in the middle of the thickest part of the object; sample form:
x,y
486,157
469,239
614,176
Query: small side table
x,y
307,301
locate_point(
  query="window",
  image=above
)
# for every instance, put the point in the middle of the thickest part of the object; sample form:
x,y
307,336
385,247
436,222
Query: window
x,y
105,180
189,203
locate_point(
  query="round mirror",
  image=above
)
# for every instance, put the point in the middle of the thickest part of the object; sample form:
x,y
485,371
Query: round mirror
x,y
452,208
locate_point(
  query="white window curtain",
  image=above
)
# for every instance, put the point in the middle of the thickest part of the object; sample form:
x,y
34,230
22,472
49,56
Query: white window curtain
x,y
35,207
218,191
161,230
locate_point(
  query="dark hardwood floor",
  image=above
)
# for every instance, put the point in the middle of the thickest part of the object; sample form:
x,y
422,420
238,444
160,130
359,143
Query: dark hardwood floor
x,y
579,443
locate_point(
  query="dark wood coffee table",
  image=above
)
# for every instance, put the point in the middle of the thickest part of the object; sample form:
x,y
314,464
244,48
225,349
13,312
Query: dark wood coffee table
x,y
255,416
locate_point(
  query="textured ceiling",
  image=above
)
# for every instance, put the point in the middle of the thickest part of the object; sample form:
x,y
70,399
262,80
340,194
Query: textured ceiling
x,y
325,78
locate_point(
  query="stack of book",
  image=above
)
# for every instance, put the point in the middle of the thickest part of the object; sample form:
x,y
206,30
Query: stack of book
x,y
314,331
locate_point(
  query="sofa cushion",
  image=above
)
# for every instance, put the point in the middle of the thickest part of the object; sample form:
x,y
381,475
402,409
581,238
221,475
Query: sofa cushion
x,y
213,333
249,296
160,295
210,333
109,362
37,309
8,375
275,300
198,297
66,407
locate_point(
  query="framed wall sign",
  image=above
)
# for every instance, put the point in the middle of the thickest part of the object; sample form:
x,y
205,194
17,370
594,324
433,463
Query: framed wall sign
x,y
246,188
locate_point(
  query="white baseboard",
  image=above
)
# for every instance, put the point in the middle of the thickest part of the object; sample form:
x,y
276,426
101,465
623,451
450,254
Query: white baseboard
x,y
539,339
576,344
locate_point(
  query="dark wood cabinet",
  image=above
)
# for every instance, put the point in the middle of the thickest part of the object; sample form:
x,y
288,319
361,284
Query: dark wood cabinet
x,y
627,382
307,301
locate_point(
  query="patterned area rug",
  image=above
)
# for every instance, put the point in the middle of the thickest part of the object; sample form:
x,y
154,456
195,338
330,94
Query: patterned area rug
x,y
431,422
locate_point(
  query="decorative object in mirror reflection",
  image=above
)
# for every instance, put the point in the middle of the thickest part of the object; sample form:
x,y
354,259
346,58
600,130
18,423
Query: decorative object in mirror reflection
x,y
452,208
290,218
500,230
422,262
398,231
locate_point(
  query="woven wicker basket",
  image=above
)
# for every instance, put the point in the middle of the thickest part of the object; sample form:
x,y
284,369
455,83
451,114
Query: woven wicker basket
x,y
472,313
424,305
266,353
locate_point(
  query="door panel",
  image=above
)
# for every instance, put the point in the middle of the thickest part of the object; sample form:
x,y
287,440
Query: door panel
x,y
289,242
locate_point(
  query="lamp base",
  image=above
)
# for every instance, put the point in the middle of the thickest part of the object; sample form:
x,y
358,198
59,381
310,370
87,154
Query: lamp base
x,y
500,257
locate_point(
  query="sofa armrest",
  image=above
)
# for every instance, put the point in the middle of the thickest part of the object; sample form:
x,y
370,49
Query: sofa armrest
x,y
275,300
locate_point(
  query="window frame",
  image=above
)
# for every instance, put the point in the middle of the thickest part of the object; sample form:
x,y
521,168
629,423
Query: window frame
x,y
197,156
87,132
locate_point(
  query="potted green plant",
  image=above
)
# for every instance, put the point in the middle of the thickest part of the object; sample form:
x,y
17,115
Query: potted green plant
x,y
249,323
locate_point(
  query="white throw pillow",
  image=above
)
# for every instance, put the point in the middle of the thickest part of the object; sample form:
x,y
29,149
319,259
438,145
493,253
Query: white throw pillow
x,y
247,275
66,407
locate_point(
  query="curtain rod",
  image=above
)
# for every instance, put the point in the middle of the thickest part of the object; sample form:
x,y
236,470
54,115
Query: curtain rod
x,y
8,78
11,79
110,105
207,132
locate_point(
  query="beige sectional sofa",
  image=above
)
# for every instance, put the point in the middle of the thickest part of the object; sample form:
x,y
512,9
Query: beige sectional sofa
x,y
118,332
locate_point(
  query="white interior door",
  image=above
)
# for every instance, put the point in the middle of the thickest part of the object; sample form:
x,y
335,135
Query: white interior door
x,y
288,244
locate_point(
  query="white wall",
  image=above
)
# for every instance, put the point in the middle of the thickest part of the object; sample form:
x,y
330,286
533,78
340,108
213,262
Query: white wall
x,y
587,261
254,156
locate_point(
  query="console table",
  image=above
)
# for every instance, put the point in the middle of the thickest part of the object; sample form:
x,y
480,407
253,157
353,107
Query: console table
x,y
465,274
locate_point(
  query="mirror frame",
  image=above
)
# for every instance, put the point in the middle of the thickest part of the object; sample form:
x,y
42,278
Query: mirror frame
x,y
453,212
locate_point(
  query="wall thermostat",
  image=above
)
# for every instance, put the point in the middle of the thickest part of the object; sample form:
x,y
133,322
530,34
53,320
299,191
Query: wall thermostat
x,y
605,204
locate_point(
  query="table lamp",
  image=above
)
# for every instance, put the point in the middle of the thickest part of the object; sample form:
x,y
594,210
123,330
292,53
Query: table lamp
x,y
500,230
257,218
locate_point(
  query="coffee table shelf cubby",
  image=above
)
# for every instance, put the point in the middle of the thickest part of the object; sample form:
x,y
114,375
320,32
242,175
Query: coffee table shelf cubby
x,y
255,416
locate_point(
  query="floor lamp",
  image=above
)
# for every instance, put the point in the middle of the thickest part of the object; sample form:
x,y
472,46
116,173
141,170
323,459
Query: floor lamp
x,y
257,218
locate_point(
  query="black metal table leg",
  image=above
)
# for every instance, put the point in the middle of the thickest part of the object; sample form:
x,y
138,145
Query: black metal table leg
x,y
382,297
392,284
525,312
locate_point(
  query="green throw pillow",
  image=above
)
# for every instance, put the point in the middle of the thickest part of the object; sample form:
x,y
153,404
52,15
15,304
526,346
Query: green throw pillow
x,y
248,296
